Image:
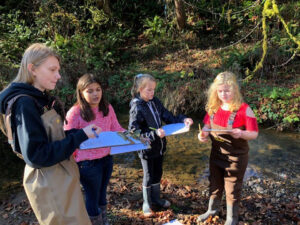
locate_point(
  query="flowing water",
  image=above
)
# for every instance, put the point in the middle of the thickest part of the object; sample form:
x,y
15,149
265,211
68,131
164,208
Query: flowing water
x,y
273,154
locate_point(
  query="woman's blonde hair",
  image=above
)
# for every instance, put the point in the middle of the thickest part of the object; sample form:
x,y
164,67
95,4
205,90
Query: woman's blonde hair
x,y
35,54
213,102
139,82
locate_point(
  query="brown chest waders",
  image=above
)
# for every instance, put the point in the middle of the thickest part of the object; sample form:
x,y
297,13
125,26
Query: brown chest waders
x,y
228,163
54,192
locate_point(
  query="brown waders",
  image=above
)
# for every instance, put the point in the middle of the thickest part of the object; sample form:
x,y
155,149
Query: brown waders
x,y
54,192
228,163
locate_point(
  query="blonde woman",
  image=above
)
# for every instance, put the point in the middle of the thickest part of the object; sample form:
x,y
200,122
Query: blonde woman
x,y
51,176
229,123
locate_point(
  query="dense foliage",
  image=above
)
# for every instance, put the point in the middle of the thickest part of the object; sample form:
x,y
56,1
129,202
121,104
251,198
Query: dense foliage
x,y
117,39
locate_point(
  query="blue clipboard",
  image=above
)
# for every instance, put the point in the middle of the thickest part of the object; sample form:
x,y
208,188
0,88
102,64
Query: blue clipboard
x,y
175,128
104,139
120,145
129,148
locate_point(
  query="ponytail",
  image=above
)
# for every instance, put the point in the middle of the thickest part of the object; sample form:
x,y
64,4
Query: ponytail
x,y
140,81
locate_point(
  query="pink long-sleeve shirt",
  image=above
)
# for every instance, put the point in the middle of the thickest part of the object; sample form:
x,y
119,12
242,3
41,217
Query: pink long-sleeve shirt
x,y
107,123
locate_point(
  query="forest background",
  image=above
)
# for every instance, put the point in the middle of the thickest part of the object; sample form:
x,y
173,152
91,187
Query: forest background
x,y
183,43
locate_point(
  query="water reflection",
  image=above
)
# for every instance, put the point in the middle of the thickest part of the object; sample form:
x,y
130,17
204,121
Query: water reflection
x,y
274,154
277,154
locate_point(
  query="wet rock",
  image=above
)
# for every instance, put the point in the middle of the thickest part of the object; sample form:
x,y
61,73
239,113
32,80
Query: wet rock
x,y
278,194
260,190
250,183
258,180
283,175
250,173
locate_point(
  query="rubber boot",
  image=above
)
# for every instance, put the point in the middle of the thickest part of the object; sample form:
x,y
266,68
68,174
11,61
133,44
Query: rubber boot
x,y
213,208
104,214
96,220
232,214
147,202
155,196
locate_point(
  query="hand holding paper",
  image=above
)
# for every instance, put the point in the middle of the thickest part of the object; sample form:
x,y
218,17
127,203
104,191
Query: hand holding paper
x,y
236,133
188,122
160,132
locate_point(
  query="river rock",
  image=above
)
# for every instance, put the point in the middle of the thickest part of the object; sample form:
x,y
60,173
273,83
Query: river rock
x,y
278,194
250,182
260,190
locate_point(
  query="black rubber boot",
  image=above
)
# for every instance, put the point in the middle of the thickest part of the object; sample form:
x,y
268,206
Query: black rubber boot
x,y
147,201
232,214
213,208
96,220
155,196
104,214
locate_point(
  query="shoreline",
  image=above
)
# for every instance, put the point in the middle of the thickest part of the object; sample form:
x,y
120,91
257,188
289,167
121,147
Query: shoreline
x,y
264,201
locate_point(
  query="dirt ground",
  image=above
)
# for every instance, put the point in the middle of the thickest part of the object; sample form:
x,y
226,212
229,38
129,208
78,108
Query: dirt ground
x,y
264,201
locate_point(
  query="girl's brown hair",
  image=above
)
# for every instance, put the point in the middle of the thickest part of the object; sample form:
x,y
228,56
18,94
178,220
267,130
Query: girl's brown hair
x,y
213,102
86,111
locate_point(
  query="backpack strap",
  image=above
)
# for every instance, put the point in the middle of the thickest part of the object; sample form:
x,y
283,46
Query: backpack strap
x,y
7,122
231,120
211,118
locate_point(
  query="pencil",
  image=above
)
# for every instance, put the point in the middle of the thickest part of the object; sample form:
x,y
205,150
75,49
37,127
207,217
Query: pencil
x,y
199,127
152,128
94,131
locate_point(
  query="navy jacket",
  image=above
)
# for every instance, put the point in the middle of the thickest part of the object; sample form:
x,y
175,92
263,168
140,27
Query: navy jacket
x,y
29,134
141,118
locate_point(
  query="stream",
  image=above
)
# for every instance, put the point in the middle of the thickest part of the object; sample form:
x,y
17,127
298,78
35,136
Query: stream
x,y
273,155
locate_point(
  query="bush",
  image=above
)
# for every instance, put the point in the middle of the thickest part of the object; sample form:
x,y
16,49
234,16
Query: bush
x,y
277,106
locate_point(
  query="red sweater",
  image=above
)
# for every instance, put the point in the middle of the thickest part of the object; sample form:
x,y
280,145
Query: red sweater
x,y
241,119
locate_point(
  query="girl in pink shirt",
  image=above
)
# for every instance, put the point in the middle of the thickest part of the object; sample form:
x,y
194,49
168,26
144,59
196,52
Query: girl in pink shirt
x,y
95,165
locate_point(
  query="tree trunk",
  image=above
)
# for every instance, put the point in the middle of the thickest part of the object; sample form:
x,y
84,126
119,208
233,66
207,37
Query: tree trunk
x,y
180,14
104,4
